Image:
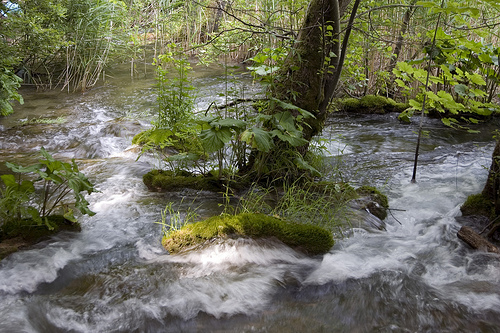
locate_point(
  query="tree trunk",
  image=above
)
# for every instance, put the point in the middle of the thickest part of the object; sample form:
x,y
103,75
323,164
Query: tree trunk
x,y
307,79
311,72
399,43
491,190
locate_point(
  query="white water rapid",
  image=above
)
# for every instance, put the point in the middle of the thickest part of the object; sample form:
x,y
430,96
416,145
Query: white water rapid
x,y
114,276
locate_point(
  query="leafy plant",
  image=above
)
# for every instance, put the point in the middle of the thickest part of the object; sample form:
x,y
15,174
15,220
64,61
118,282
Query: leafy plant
x,y
47,194
464,74
175,101
9,83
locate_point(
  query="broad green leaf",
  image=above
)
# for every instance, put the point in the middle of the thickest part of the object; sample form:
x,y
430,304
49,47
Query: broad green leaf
x,y
303,165
405,67
257,138
476,79
461,89
229,122
9,180
289,106
214,139
293,140
285,121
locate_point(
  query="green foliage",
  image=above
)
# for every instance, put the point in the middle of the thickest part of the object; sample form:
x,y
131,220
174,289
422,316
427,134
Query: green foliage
x,y
9,83
173,220
168,180
467,75
175,99
57,180
308,238
323,204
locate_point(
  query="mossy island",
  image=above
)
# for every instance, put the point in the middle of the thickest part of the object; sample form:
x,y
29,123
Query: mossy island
x,y
307,238
369,104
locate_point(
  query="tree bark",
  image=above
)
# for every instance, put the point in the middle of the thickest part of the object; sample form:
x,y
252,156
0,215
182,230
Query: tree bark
x,y
491,190
311,72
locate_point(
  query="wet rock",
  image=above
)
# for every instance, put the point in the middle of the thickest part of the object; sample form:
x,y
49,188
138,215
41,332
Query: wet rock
x,y
360,215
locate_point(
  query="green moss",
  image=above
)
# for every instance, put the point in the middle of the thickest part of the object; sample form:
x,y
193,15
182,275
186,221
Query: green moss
x,y
18,234
477,204
308,238
370,104
159,180
375,194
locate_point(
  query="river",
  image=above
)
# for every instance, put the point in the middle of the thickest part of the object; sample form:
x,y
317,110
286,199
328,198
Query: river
x,y
114,276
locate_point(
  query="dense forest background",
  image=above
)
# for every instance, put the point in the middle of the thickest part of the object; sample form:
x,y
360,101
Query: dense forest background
x,y
71,44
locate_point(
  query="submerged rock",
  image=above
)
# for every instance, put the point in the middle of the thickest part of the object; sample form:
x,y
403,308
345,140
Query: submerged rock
x,y
307,238
22,234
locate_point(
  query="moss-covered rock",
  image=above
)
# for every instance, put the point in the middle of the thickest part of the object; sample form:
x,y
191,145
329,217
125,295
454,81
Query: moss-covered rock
x,y
370,104
163,181
307,238
372,200
478,204
166,180
20,234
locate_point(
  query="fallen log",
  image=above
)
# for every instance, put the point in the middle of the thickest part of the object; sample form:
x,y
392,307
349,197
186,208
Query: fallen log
x,y
476,241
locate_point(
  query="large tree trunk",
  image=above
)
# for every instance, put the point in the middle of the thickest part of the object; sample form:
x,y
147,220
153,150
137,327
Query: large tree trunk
x,y
491,190
311,72
307,80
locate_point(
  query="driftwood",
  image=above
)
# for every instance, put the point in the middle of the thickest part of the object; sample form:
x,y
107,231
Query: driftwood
x,y
472,238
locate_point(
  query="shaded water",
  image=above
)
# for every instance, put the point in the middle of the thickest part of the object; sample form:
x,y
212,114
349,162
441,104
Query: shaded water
x,y
114,276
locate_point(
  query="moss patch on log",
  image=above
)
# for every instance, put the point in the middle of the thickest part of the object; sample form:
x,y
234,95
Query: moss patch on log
x,y
21,234
370,104
307,238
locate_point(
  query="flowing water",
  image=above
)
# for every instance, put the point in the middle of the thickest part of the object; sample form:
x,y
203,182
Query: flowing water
x,y
114,276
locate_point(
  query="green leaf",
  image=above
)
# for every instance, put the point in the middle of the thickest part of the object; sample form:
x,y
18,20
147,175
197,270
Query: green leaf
x,y
229,122
69,216
303,165
214,139
476,79
292,139
257,138
190,157
461,89
9,180
289,106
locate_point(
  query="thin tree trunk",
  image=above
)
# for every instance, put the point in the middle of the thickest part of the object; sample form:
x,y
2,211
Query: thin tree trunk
x,y
399,43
